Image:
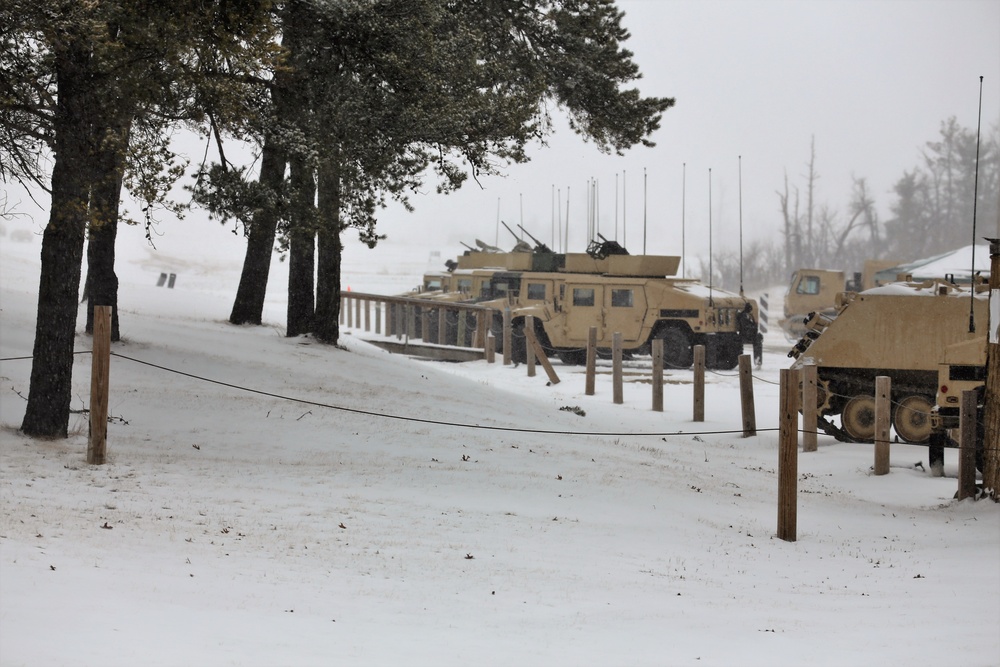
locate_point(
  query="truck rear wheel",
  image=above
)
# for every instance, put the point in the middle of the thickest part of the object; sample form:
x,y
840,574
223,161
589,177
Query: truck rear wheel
x,y
858,418
913,419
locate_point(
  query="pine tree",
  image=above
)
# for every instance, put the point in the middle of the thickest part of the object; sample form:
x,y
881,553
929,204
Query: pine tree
x,y
390,91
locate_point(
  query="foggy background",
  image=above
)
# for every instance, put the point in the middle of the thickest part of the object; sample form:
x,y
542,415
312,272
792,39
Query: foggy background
x,y
755,83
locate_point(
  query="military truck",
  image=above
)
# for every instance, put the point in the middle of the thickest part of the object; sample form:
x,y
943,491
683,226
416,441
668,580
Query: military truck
x,y
630,294
897,330
963,368
815,291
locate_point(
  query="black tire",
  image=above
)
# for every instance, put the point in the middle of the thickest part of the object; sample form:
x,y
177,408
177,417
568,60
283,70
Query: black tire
x,y
518,343
677,350
722,354
573,357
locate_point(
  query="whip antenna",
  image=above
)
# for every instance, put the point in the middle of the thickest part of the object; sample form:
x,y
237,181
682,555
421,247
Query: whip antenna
x,y
710,302
740,158
644,189
975,200
684,256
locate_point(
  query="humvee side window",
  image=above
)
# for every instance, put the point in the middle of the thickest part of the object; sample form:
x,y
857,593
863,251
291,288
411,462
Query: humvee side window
x,y
583,296
808,285
536,291
621,298
465,285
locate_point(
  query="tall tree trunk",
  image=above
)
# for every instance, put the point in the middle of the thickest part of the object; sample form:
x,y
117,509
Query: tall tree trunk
x,y
248,308
302,251
327,325
102,282
50,391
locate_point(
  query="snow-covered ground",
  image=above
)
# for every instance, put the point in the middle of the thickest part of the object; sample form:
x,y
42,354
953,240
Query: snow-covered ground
x,y
272,501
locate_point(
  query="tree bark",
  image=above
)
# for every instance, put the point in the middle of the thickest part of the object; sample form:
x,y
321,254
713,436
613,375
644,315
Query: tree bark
x,y
327,324
50,391
102,282
248,307
302,252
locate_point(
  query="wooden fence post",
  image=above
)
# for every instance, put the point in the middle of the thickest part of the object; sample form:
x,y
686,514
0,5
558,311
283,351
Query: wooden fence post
x,y
399,319
506,337
788,455
460,327
967,445
544,361
482,317
529,344
347,305
591,360
425,325
883,410
699,383
616,368
490,348
368,315
100,369
378,318
357,312
810,406
658,375
746,397
343,304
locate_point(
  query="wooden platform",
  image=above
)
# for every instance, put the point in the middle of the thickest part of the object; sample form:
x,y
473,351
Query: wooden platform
x,y
427,351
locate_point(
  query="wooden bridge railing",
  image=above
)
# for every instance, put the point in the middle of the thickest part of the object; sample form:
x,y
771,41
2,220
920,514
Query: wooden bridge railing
x,y
435,322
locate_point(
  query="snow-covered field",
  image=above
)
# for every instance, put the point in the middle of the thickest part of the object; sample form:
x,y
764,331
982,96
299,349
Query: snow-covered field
x,y
355,507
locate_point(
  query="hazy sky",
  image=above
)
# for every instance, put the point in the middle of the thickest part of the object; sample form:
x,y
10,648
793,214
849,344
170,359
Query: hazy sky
x,y
755,81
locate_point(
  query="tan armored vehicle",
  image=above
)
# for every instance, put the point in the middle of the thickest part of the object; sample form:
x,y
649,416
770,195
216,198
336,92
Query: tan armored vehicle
x,y
815,291
899,330
630,294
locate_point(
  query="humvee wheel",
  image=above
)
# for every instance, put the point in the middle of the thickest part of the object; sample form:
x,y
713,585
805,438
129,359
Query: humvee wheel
x,y
677,351
573,357
913,419
518,343
858,418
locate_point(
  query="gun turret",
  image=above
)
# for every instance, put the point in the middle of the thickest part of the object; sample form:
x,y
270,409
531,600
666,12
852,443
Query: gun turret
x,y
605,248
539,246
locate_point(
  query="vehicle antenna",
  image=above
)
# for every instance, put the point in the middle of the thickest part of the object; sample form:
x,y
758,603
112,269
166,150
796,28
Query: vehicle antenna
x,y
624,232
567,219
684,256
552,224
559,225
497,241
740,158
597,205
975,200
644,188
710,302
